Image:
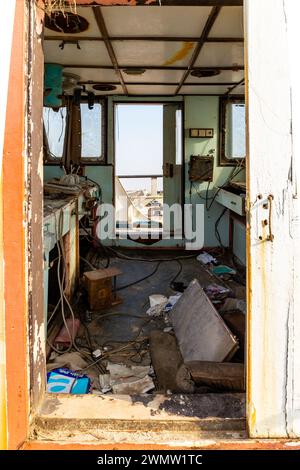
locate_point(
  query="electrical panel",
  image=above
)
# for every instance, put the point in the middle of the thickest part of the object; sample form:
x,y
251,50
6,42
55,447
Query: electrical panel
x,y
201,168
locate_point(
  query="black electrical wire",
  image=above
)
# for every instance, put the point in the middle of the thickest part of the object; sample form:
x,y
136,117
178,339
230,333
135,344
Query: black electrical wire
x,y
142,279
99,243
233,175
217,233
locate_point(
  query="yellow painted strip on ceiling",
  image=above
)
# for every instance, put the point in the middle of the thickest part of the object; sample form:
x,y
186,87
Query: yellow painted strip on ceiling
x,y
181,54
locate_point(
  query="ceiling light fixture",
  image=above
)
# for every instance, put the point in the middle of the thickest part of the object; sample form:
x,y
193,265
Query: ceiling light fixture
x,y
66,22
200,73
134,71
104,87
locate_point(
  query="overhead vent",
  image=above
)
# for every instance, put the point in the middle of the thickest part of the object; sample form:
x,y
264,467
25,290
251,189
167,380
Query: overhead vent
x,y
104,87
66,22
201,73
134,71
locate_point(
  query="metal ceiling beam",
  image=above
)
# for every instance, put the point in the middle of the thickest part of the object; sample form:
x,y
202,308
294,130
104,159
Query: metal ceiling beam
x,y
89,82
230,90
76,39
169,3
204,35
104,33
234,68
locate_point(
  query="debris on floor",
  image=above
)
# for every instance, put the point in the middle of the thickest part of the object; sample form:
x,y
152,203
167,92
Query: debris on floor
x,y
130,379
168,336
222,270
167,360
104,381
66,381
201,333
216,292
236,322
234,304
218,375
206,258
67,333
71,360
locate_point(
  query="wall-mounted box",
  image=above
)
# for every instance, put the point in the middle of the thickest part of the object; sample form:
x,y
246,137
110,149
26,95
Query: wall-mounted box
x,y
201,133
201,168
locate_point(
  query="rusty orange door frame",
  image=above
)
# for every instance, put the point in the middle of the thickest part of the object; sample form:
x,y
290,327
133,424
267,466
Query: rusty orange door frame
x,y
14,239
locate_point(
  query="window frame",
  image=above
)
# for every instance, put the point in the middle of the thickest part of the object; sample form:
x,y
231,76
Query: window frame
x,y
224,100
103,159
48,159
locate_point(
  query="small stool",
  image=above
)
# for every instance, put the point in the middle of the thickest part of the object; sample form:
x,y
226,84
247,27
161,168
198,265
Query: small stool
x,y
101,287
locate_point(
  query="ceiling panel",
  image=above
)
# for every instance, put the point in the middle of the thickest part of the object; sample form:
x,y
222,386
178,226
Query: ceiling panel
x,y
155,21
203,90
92,30
239,90
227,76
151,90
220,54
155,76
93,53
153,53
95,75
229,23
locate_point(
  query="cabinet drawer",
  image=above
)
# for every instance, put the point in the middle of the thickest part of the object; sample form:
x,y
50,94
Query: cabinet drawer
x,y
234,202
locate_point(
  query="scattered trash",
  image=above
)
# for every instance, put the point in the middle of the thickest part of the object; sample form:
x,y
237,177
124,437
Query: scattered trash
x,y
167,360
222,270
97,353
165,306
156,310
218,376
63,338
216,292
235,304
157,299
168,329
236,321
129,379
66,381
72,361
239,292
104,381
201,333
206,258
178,286
172,300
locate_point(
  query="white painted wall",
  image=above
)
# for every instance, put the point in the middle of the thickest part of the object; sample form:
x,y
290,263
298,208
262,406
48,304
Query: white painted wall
x,y
273,267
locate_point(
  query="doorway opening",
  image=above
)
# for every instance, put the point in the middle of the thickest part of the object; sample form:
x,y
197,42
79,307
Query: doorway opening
x,y
148,155
139,195
114,326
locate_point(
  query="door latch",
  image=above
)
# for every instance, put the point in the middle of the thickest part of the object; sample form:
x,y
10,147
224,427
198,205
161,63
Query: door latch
x,y
267,218
168,170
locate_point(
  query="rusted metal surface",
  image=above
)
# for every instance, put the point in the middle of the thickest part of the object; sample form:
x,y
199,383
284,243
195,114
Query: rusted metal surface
x,y
141,38
15,243
158,3
34,217
6,33
153,67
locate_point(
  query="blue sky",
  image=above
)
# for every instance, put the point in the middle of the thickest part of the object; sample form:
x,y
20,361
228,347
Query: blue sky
x,y
138,142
